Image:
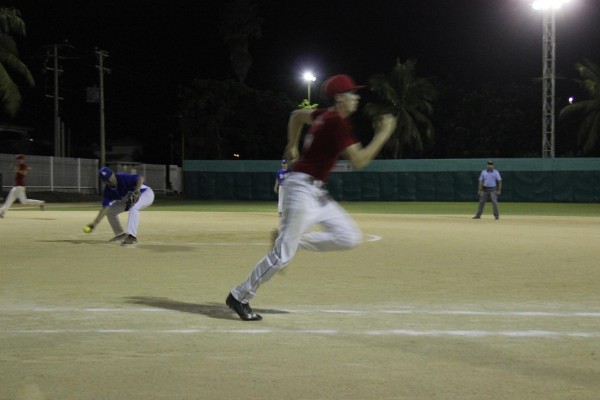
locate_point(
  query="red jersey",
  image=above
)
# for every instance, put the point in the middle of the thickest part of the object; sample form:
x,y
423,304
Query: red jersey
x,y
329,135
20,174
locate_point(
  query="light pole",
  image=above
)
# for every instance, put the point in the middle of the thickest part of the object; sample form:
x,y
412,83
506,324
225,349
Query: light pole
x,y
548,8
309,78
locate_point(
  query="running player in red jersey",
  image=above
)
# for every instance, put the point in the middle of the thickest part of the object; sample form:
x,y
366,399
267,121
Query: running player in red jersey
x,y
18,191
306,200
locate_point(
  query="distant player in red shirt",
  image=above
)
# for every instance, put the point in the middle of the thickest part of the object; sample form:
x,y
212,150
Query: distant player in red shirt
x,y
18,191
306,200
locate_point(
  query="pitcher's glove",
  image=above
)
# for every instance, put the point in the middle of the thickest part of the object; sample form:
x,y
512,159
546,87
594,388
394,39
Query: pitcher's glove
x,y
132,199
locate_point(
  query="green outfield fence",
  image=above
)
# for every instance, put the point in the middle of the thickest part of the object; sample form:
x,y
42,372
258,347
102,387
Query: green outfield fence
x,y
564,180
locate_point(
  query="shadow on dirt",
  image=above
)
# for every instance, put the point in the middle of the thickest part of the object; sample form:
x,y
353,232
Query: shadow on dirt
x,y
211,310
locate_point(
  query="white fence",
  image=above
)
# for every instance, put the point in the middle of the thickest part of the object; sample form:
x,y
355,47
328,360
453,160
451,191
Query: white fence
x,y
64,174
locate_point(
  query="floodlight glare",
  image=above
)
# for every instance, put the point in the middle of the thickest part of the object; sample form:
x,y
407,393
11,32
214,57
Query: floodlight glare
x,y
309,77
548,4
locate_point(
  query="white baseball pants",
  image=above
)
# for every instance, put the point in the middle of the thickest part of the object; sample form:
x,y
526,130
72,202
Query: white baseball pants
x,y
306,204
281,194
118,206
17,192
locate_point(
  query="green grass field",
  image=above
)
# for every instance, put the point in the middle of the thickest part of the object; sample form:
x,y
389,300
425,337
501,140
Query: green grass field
x,y
376,207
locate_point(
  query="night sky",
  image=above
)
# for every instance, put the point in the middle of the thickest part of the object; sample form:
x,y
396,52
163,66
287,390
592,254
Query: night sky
x,y
156,45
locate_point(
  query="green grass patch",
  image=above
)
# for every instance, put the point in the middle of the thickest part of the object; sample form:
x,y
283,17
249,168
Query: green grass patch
x,y
433,208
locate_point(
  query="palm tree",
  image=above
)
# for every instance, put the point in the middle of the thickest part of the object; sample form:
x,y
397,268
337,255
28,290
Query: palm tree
x,y
587,112
240,23
411,99
11,68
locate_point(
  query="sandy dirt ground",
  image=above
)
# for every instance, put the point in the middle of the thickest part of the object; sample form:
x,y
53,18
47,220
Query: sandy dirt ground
x,y
428,307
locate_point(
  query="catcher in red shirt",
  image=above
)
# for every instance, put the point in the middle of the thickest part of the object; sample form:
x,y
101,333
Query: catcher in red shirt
x,y
307,201
18,191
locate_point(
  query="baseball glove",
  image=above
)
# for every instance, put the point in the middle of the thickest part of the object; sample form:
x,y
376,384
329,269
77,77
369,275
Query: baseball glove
x,y
132,198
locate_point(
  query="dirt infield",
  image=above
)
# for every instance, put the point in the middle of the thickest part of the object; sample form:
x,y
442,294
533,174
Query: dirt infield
x,y
428,307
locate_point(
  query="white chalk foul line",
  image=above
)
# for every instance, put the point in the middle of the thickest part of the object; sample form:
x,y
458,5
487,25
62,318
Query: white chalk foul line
x,y
537,334
353,312
470,333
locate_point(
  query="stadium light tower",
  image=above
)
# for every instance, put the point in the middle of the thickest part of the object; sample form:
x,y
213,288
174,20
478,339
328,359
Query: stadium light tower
x,y
309,78
548,8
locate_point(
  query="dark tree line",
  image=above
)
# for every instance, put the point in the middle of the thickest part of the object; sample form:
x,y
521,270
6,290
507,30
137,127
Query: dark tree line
x,y
437,118
225,120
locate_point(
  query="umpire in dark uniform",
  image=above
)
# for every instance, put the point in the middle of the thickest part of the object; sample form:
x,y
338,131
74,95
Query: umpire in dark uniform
x,y
490,186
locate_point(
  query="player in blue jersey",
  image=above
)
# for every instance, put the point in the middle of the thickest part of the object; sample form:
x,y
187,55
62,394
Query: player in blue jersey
x,y
123,192
279,189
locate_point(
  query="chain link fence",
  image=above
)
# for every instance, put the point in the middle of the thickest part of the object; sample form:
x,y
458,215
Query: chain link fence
x,y
63,174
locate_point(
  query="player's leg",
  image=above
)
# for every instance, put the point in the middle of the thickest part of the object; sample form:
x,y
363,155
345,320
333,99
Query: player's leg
x,y
494,197
483,198
24,200
133,221
10,198
340,231
116,208
281,196
296,221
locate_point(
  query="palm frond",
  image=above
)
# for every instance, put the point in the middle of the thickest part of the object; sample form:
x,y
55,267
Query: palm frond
x,y
13,64
8,44
11,22
10,97
410,98
589,132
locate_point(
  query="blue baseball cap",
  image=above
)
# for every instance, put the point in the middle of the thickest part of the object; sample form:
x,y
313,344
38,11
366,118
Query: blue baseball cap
x,y
105,173
284,161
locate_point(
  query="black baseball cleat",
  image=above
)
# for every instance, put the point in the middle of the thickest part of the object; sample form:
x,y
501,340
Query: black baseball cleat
x,y
129,240
242,309
118,238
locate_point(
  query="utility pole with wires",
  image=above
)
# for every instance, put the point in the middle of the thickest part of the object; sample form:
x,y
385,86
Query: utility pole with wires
x,y
52,52
101,54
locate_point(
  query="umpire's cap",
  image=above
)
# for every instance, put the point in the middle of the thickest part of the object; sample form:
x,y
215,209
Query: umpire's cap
x,y
105,173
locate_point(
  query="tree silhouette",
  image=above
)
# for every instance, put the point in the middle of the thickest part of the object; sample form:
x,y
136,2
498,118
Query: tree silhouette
x,y
586,113
240,23
411,99
12,70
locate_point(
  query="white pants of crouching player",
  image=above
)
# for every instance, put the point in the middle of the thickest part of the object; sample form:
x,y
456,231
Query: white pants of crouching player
x,y
118,206
306,203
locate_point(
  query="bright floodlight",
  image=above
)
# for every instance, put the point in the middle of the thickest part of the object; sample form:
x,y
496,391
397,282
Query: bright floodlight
x,y
548,4
309,77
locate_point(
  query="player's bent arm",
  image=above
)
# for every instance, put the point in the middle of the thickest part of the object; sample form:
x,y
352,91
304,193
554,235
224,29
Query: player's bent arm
x,y
360,156
298,118
103,211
